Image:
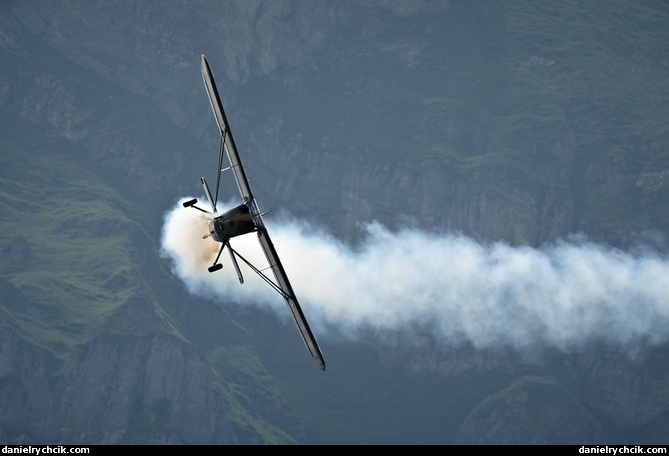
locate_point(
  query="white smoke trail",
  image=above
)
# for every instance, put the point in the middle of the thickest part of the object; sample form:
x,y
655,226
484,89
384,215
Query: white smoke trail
x,y
493,295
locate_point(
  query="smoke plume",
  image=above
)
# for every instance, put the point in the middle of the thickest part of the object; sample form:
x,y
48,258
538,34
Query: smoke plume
x,y
490,295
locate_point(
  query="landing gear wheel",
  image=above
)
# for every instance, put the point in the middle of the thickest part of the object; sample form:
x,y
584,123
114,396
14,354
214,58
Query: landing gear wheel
x,y
215,267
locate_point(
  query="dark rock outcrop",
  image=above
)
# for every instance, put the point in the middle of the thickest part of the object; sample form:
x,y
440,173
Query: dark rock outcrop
x,y
532,411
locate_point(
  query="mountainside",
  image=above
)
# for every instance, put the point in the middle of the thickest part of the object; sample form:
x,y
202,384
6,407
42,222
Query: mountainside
x,y
95,349
520,122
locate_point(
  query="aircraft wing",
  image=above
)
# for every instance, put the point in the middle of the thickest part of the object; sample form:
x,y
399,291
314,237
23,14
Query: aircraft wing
x,y
226,134
289,296
282,284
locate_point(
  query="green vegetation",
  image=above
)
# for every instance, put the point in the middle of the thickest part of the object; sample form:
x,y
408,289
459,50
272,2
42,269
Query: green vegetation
x,y
80,266
497,89
541,391
246,388
89,252
83,265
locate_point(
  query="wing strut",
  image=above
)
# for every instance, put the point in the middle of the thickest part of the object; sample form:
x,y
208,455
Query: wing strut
x,y
284,289
234,262
212,202
216,266
220,169
262,275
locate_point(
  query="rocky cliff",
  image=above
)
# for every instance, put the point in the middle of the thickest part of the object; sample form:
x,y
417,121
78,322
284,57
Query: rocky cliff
x,y
501,120
429,154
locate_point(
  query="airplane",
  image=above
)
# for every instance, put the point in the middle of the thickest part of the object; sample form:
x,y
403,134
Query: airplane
x,y
245,218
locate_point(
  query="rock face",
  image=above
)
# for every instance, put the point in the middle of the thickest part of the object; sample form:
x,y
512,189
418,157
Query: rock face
x,y
445,115
531,411
146,389
630,392
315,49
17,252
26,391
496,204
149,388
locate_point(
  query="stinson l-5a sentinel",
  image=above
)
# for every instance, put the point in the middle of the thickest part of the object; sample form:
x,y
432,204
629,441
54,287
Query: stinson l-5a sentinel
x,y
246,218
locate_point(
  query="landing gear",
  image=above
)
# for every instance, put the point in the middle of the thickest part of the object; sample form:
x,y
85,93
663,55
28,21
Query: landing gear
x,y
190,202
215,267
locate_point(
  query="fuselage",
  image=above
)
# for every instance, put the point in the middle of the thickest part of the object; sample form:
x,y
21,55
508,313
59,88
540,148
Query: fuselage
x,y
235,222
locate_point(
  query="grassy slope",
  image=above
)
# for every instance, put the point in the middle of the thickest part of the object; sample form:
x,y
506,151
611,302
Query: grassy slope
x,y
90,248
79,270
83,266
533,397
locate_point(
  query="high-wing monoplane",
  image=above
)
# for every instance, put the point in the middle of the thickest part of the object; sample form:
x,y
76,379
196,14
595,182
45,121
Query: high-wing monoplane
x,y
245,218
